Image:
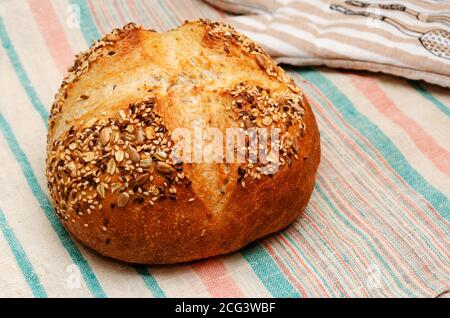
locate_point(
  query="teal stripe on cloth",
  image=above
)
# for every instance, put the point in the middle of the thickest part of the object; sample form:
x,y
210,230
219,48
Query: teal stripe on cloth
x,y
384,145
21,257
21,74
268,272
87,25
150,281
88,275
422,91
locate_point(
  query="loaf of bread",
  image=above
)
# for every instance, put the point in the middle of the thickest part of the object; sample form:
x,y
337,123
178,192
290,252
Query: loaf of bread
x,y
116,175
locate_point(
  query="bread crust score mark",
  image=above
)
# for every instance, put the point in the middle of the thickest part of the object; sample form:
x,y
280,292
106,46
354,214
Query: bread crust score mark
x,y
110,172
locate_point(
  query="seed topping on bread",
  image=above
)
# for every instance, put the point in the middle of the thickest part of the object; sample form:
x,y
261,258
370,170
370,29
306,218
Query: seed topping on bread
x,y
113,155
256,107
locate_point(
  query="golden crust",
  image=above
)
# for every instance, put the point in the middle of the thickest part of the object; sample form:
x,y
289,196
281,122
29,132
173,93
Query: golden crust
x,y
110,174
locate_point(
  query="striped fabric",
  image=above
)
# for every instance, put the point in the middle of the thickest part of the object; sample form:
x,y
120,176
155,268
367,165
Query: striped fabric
x,y
377,224
404,38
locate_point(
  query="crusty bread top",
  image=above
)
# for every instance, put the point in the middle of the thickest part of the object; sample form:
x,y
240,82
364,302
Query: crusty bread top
x,y
111,123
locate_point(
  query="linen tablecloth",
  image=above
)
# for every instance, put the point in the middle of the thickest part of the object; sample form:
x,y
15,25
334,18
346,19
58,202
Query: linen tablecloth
x,y
377,223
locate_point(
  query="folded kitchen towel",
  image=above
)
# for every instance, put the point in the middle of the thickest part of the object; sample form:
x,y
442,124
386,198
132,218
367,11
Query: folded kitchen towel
x,y
405,38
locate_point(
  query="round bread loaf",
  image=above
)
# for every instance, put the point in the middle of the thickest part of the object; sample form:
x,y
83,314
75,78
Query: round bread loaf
x,y
114,178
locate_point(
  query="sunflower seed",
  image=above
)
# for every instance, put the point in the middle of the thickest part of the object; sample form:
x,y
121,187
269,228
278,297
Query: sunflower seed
x,y
161,155
105,135
261,61
122,200
101,190
134,155
164,167
141,179
111,166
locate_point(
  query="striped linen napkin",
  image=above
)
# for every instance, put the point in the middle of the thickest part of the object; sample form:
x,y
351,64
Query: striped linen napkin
x,y
404,38
377,224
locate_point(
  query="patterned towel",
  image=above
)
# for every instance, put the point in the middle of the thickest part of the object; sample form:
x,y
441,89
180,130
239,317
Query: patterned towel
x,y
404,38
377,224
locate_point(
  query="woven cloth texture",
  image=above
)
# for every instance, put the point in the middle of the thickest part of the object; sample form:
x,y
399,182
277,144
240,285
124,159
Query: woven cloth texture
x,y
377,224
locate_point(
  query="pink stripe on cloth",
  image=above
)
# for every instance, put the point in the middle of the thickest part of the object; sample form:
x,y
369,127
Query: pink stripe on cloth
x,y
53,33
425,142
216,278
